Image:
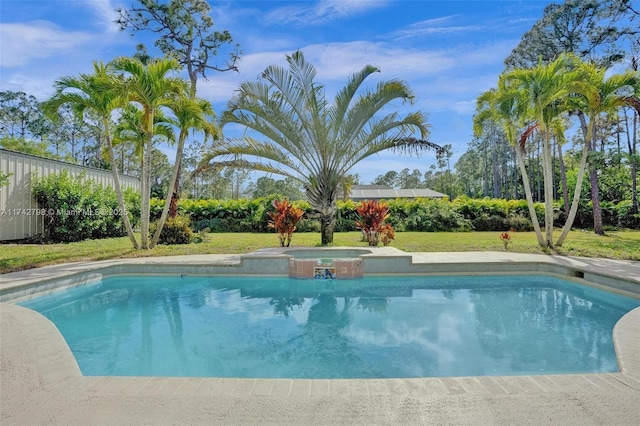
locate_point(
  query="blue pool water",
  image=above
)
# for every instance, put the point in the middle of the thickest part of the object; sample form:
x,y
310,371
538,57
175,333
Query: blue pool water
x,y
379,327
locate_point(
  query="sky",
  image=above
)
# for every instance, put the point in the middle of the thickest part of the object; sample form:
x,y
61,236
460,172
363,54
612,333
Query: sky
x,y
448,52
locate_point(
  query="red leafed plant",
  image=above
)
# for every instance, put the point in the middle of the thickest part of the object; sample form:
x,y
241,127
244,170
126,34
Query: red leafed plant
x,y
284,220
506,238
372,216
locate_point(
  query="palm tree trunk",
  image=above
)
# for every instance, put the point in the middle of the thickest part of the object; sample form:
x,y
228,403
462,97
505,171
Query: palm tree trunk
x,y
595,200
576,196
327,225
527,190
323,196
116,184
634,166
173,205
145,199
547,173
631,146
590,139
563,178
172,184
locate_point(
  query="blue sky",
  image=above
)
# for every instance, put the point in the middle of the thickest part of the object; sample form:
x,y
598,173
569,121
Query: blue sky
x,y
447,51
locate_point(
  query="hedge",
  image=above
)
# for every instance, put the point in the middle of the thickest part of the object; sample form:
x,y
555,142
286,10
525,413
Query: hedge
x,y
78,209
422,214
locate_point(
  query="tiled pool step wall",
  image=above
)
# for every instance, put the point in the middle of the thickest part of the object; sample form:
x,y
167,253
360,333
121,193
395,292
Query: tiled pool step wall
x,y
325,268
280,265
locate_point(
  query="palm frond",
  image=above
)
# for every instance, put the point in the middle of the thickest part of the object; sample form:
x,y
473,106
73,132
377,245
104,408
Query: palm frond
x,y
344,98
281,125
252,148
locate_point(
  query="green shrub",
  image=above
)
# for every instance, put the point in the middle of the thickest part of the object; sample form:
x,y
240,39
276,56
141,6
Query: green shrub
x,y
461,214
4,179
492,222
426,215
78,209
492,214
519,223
132,202
347,216
176,230
309,225
210,224
202,236
625,216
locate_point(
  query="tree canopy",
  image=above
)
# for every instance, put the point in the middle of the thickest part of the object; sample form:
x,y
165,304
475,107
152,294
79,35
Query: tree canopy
x,y
593,30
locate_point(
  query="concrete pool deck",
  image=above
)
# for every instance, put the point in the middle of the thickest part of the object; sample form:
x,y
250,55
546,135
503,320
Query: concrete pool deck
x,y
40,382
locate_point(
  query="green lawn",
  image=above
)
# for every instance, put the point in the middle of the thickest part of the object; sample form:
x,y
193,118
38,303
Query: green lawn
x,y
615,245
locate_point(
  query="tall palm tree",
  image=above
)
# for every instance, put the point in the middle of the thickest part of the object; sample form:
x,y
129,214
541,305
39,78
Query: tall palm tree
x,y
506,107
149,86
95,92
190,114
547,88
611,93
310,140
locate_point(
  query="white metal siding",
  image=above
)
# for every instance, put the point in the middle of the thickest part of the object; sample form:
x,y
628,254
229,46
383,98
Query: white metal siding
x,y
18,218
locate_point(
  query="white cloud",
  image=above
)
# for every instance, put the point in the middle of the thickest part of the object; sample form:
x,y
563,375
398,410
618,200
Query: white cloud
x,y
336,61
105,12
41,88
433,26
346,8
22,43
322,11
464,107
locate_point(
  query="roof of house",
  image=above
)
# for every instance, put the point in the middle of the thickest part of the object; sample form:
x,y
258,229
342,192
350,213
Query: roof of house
x,y
377,192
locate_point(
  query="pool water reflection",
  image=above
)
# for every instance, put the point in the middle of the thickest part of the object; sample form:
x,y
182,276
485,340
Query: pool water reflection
x,y
376,327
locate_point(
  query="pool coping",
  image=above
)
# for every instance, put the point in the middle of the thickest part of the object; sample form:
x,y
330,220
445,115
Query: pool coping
x,y
38,366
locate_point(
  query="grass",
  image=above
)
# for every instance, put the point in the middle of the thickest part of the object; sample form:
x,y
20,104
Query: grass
x,y
615,245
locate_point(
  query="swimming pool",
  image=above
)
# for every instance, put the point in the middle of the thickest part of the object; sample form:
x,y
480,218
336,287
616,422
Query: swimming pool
x,y
383,327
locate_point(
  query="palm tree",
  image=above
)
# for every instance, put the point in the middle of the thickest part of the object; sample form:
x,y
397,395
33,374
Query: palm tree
x,y
190,113
148,86
611,93
546,89
95,92
310,140
506,107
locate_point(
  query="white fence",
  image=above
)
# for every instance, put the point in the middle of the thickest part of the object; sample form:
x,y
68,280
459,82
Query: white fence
x,y
19,212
